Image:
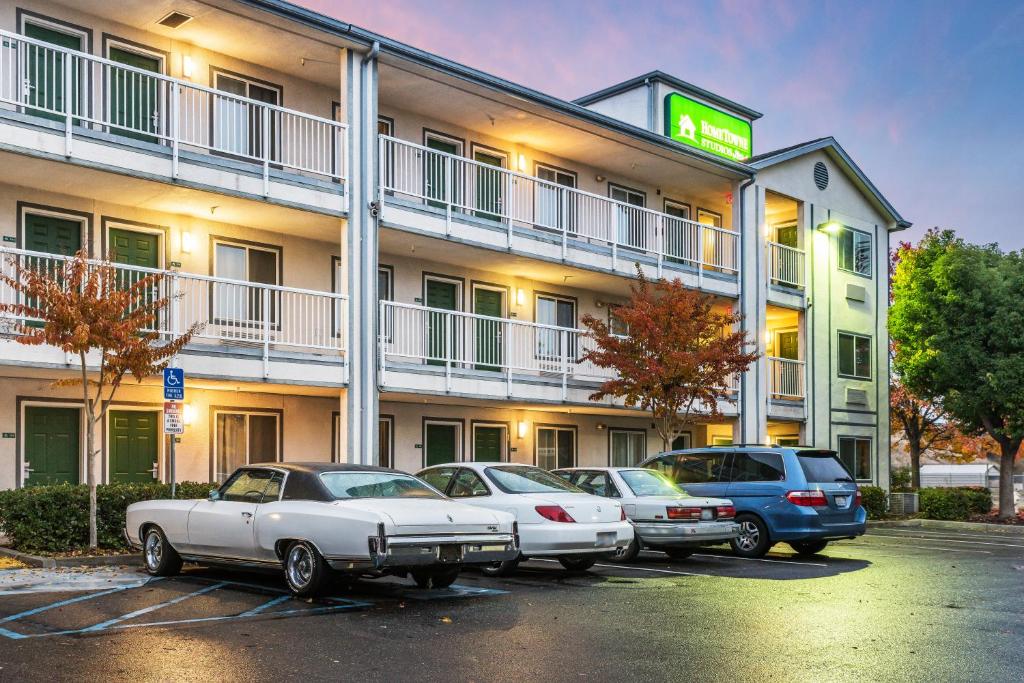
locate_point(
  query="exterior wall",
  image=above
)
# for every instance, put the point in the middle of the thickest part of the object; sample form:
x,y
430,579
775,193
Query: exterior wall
x,y
629,106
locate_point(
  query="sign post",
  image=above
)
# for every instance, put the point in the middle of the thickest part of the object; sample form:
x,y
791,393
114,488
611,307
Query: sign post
x,y
174,423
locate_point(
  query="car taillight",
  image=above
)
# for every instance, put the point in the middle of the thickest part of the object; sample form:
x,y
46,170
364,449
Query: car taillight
x,y
683,513
554,512
856,499
623,517
815,499
726,512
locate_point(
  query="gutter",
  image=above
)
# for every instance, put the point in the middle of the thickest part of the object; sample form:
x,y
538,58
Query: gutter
x,y
743,250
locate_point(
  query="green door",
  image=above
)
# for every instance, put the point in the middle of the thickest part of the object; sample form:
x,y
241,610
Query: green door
x,y
440,326
789,345
133,98
441,444
133,444
786,235
490,185
52,445
487,443
52,235
134,248
45,69
437,171
489,333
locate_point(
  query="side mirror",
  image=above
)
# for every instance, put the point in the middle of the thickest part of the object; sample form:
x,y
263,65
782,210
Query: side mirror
x,y
214,494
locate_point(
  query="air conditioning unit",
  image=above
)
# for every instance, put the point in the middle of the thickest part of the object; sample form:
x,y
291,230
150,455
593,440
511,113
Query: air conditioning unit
x,y
858,396
903,504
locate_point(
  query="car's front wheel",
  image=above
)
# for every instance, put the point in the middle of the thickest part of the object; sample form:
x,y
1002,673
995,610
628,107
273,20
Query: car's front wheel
x,y
160,558
496,569
304,569
753,539
805,548
577,563
435,578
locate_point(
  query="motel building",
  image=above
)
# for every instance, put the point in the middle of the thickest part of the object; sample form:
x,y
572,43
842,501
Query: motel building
x,y
391,252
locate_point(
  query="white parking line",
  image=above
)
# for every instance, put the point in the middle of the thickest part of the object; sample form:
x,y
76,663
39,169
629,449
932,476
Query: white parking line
x,y
949,540
924,547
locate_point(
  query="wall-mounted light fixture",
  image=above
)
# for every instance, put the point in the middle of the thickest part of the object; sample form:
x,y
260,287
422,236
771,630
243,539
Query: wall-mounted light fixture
x,y
601,426
522,164
520,296
830,226
521,429
186,242
188,68
600,178
187,413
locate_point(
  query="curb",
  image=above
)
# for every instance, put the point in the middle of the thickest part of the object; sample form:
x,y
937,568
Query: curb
x,y
84,561
978,527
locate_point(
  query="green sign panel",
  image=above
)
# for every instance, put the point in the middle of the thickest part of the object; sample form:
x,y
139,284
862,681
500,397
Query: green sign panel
x,y
698,125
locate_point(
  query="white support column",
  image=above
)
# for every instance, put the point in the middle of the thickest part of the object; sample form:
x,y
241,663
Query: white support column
x,y
752,426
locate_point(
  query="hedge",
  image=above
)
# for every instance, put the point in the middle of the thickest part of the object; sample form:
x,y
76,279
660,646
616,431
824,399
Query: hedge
x,y
874,501
56,518
954,503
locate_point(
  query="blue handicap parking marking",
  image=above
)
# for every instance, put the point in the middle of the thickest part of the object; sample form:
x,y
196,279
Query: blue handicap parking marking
x,y
453,591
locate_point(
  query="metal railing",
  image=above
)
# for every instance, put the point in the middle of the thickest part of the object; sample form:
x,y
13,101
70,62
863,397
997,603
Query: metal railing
x,y
787,378
459,340
82,90
468,187
230,311
785,265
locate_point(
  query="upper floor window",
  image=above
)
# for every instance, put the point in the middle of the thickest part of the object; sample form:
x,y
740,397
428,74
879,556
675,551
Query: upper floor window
x,y
854,355
854,251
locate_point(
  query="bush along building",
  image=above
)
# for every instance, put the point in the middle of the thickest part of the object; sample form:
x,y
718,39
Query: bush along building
x,y
391,252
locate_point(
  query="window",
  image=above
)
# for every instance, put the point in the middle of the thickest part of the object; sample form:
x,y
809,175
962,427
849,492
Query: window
x,y
524,479
615,323
385,126
558,312
346,485
648,483
238,123
631,220
385,280
438,477
597,484
555,206
855,454
628,447
247,486
709,218
757,467
273,490
698,468
244,438
385,426
854,355
556,447
468,484
854,251
258,264
788,440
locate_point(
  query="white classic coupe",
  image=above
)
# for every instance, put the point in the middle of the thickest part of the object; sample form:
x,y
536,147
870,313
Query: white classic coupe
x,y
311,518
556,519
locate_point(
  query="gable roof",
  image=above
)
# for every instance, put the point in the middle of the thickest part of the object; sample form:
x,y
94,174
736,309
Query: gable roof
x,y
836,152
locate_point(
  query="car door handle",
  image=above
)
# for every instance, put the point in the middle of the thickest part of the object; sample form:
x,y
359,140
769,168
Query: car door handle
x,y
247,515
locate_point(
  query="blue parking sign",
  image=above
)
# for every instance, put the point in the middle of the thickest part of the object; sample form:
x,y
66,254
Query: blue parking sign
x,y
174,384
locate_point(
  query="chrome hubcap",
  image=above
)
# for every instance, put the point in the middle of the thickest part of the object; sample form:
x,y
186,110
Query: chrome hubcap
x,y
749,536
300,566
154,550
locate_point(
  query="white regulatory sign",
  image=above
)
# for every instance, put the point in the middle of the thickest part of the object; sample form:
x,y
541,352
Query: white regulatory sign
x,y
173,422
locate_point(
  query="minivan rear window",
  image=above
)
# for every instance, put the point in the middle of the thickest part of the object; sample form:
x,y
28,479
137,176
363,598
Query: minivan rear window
x,y
822,467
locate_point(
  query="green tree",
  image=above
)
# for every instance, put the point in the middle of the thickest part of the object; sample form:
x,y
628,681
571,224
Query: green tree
x,y
958,325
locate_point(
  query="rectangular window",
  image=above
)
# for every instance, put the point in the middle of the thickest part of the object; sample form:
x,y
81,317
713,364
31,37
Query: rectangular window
x,y
385,126
709,218
237,122
244,438
854,355
386,427
556,447
615,324
757,467
556,312
632,221
628,447
555,207
239,303
854,251
855,454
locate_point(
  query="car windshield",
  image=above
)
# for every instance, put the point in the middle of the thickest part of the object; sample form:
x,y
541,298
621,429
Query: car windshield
x,y
345,485
649,483
822,467
527,480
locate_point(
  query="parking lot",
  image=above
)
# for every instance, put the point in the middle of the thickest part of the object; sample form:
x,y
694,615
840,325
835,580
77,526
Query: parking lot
x,y
896,604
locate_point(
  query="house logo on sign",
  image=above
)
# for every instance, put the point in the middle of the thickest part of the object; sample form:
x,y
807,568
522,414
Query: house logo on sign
x,y
687,128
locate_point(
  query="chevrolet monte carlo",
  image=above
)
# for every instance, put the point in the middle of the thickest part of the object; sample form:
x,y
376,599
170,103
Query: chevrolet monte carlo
x,y
310,519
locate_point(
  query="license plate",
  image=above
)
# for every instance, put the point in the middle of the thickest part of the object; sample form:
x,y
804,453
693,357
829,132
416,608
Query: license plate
x,y
605,539
449,553
842,501
706,514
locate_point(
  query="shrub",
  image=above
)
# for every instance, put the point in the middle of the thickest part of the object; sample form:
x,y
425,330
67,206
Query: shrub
x,y
874,501
947,503
979,500
899,480
56,518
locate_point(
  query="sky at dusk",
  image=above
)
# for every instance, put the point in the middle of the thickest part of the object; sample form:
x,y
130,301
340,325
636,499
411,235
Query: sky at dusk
x,y
927,97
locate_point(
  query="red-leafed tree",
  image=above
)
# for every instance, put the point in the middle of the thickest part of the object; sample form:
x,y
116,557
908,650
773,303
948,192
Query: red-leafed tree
x,y
677,358
921,425
101,314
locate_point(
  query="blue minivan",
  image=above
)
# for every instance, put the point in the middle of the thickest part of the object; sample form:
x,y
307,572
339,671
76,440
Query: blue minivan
x,y
801,496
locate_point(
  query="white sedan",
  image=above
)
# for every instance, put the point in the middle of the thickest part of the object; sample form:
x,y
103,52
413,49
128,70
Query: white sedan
x,y
311,518
664,516
556,519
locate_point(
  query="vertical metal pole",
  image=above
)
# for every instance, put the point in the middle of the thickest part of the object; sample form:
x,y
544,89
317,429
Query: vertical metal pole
x,y
174,478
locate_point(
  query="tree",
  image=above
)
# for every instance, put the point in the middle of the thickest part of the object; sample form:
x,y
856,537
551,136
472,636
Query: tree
x,y
95,311
922,425
959,332
677,357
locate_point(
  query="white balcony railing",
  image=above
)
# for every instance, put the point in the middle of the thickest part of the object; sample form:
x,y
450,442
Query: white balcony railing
x,y
411,333
231,311
785,265
469,187
81,90
787,378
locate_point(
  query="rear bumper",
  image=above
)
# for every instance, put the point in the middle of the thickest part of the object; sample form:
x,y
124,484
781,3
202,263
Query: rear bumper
x,y
557,538
657,534
423,551
813,529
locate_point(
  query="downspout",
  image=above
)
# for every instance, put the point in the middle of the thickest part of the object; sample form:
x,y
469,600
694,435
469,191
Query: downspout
x,y
743,252
369,208
651,101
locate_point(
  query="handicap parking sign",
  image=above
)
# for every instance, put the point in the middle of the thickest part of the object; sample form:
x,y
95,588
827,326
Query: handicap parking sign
x,y
174,384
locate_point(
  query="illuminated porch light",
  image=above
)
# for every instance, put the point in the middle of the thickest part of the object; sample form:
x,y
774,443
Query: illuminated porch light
x,y
831,226
186,243
187,413
520,296
522,164
522,429
187,67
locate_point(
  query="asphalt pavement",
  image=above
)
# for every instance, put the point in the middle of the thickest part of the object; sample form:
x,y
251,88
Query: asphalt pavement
x,y
897,604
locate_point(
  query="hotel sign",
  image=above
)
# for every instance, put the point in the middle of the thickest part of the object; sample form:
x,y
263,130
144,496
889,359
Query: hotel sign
x,y
698,125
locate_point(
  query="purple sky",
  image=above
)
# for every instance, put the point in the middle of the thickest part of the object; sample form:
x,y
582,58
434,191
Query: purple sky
x,y
926,96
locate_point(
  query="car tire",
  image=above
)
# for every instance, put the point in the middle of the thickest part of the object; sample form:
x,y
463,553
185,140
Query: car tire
x,y
805,548
158,555
753,540
629,553
435,578
305,569
576,563
678,553
498,569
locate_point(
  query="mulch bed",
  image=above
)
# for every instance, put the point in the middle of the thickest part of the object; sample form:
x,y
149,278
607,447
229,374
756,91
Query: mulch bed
x,y
993,518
